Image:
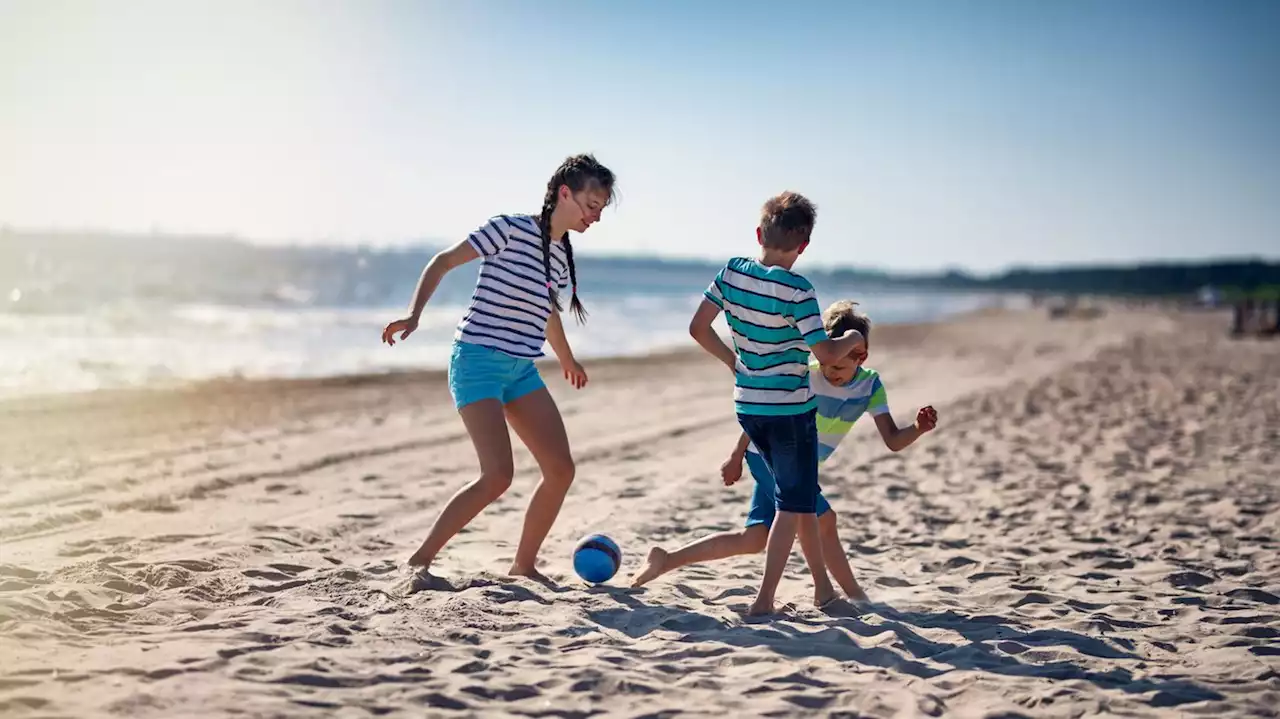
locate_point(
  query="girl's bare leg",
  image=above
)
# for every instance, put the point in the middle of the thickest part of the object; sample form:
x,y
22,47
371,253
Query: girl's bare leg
x,y
537,421
487,426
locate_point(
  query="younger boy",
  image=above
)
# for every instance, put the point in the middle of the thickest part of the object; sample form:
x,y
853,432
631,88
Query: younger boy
x,y
773,316
844,390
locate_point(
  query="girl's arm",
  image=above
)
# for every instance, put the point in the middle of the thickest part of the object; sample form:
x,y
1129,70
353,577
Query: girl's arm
x,y
436,269
439,266
573,371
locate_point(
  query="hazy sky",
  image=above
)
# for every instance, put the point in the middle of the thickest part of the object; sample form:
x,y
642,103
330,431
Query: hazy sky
x,y
931,134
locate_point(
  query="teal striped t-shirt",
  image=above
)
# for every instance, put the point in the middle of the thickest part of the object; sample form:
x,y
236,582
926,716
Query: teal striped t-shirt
x,y
774,319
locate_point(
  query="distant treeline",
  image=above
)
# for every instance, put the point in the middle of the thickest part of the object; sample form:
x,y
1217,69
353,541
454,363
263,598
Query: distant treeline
x,y
1254,278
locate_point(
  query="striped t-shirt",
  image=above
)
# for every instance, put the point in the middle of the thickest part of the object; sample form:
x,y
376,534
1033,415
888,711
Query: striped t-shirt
x,y
511,303
839,407
774,319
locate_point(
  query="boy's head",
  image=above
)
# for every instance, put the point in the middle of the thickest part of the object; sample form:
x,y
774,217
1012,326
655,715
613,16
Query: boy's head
x,y
786,222
838,319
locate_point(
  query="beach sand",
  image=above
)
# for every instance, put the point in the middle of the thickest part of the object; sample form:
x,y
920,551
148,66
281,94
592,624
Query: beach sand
x,y
1092,530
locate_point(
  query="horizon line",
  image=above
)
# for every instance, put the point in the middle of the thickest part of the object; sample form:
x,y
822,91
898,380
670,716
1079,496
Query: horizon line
x,y
429,244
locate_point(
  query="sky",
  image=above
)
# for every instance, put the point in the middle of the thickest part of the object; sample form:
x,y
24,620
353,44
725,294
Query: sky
x,y
980,135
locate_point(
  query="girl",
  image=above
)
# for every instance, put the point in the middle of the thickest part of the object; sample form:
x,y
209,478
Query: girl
x,y
515,309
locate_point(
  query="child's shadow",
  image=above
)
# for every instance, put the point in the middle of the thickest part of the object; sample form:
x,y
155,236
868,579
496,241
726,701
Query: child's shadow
x,y
979,655
638,620
829,636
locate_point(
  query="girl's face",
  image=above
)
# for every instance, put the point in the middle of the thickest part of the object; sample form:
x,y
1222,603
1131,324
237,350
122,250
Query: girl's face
x,y
583,208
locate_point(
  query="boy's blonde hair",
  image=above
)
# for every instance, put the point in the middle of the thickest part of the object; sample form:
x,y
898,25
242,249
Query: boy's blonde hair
x,y
786,221
842,316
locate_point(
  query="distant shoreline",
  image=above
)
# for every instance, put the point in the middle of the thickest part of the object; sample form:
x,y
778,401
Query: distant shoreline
x,y
885,334
1243,275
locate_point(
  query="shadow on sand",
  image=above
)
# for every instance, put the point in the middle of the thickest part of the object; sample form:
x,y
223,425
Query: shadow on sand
x,y
992,643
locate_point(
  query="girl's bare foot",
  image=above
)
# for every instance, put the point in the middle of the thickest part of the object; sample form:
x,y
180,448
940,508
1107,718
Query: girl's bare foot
x,y
654,565
822,596
420,579
760,608
529,573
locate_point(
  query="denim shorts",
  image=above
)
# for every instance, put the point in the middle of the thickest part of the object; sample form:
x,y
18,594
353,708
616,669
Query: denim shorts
x,y
477,372
788,445
764,498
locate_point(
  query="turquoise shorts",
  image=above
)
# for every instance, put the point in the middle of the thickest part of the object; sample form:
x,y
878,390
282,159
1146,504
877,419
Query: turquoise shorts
x,y
477,372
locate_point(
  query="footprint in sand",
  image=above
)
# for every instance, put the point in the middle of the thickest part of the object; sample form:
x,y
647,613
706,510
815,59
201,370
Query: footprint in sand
x,y
1254,595
1188,580
892,582
436,700
512,694
11,571
269,576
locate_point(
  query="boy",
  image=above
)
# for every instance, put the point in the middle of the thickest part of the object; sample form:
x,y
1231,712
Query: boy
x,y
844,390
775,323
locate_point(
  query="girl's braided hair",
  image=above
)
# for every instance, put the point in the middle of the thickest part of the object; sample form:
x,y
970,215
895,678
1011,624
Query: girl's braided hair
x,y
578,172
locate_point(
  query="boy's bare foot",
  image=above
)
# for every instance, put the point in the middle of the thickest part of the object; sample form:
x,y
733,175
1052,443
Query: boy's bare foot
x,y
857,595
760,608
654,565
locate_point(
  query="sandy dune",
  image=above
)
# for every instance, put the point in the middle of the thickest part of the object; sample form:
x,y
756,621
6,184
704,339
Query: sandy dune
x,y
1092,530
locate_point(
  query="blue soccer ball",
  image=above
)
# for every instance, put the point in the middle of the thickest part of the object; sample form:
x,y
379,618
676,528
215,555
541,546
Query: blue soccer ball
x,y
596,558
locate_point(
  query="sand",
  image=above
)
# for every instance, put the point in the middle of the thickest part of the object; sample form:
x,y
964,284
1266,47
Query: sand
x,y
1092,530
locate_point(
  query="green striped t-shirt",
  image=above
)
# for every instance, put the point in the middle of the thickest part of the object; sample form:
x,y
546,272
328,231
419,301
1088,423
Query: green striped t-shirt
x,y
774,319
839,406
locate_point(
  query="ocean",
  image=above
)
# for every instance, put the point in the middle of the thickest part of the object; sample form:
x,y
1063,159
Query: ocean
x,y
84,312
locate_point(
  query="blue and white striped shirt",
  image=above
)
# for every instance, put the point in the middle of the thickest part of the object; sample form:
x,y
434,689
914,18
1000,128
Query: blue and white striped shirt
x,y
511,303
774,319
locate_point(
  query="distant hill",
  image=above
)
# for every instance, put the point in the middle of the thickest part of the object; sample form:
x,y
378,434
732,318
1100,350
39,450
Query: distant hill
x,y
1238,276
1146,279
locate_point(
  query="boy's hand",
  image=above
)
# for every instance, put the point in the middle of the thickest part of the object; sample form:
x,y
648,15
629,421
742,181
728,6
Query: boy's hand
x,y
404,326
574,373
731,470
859,347
926,419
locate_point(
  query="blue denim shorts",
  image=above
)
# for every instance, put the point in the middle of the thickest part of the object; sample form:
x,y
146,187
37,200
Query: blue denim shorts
x,y
477,372
788,445
764,498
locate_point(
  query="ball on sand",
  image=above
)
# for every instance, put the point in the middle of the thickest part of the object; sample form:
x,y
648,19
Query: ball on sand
x,y
596,558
